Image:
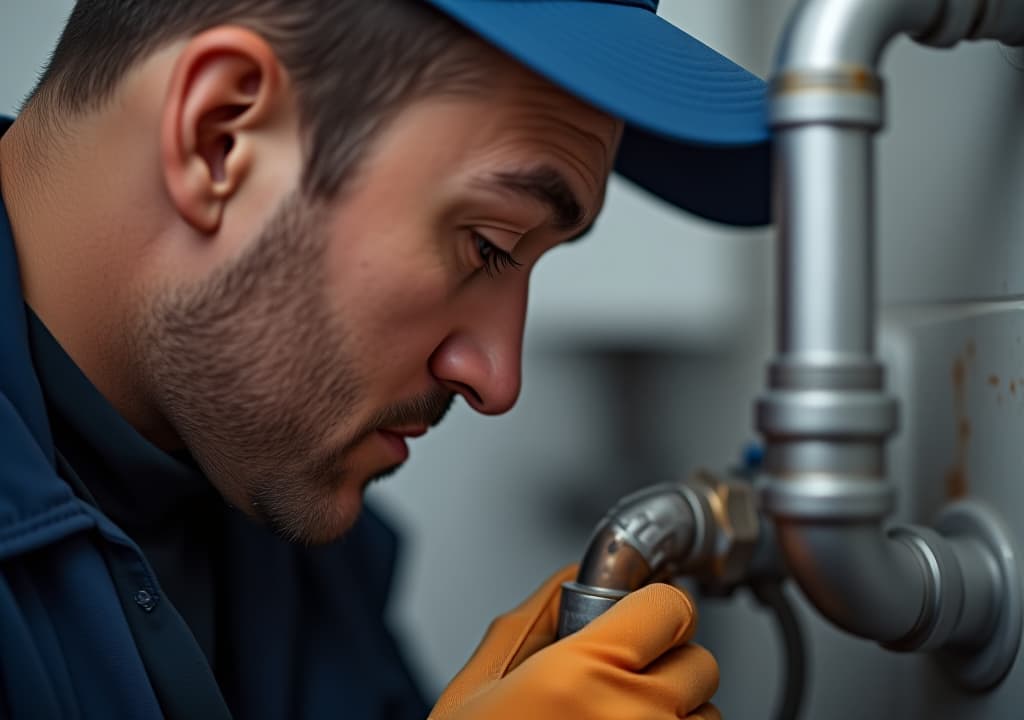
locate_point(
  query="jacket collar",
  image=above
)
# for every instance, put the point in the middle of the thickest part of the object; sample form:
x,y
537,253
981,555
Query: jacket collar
x,y
36,506
18,381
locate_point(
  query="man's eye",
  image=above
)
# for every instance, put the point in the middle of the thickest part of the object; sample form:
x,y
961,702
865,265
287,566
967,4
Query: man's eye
x,y
493,258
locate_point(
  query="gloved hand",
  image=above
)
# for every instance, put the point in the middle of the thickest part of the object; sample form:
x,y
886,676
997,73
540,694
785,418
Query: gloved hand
x,y
634,661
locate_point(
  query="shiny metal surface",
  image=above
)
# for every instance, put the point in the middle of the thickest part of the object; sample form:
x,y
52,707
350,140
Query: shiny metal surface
x,y
581,604
707,526
861,581
638,536
826,431
831,34
827,497
822,413
736,527
825,212
987,554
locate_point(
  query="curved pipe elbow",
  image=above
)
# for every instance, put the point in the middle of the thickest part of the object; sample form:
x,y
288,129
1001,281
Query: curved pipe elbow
x,y
612,562
640,538
830,34
863,581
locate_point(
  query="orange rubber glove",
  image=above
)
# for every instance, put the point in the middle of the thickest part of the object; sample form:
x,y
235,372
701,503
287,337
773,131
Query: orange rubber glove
x,y
634,661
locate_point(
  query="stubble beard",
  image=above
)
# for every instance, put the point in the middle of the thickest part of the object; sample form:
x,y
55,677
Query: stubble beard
x,y
254,375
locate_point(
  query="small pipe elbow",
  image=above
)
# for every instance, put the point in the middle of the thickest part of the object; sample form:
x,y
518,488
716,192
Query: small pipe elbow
x,y
639,537
640,540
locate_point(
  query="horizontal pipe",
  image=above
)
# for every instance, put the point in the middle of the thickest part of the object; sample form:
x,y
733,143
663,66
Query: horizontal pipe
x,y
983,589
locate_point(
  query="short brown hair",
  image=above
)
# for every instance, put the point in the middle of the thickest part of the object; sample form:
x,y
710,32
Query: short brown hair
x,y
354,63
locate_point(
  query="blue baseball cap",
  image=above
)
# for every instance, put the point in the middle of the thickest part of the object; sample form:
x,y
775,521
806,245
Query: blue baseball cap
x,y
695,134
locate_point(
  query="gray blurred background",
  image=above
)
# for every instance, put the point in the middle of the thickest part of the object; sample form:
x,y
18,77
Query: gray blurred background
x,y
645,347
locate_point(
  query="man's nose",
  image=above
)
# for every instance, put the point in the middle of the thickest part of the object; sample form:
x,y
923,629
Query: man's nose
x,y
481,359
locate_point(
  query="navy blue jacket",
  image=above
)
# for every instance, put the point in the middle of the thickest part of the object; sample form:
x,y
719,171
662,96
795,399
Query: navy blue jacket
x,y
86,632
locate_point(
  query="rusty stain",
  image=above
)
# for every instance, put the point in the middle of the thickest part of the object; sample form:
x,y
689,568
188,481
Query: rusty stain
x,y
957,485
993,380
1013,387
959,374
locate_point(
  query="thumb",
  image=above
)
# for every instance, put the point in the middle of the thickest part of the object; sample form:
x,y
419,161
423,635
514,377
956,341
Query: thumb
x,y
519,633
639,628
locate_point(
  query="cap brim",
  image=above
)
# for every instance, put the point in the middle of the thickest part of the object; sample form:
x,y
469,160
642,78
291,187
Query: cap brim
x,y
695,134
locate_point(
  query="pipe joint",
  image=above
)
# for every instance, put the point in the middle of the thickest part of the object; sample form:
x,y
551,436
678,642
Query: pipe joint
x,y
943,596
860,373
848,96
955,588
830,498
707,526
641,534
821,414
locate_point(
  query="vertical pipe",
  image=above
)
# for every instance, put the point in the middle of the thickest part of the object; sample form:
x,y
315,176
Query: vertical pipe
x,y
826,260
825,417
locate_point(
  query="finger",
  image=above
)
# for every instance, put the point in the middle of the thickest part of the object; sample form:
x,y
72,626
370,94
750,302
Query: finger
x,y
537,619
506,640
688,675
511,637
638,629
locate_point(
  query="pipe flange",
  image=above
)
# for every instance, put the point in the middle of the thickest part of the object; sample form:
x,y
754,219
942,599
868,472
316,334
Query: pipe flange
x,y
828,497
944,598
983,668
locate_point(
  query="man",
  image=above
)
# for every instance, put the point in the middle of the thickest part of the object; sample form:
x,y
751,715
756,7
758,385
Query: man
x,y
247,248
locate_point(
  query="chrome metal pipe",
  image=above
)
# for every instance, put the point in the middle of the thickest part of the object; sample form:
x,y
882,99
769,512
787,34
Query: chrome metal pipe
x,y
838,568
635,542
834,273
707,526
829,34
825,416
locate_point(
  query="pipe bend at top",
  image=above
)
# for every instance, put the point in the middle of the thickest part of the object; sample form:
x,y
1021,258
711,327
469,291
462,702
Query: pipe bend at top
x,y
833,34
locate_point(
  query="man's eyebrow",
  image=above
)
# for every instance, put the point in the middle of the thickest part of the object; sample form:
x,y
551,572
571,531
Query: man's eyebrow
x,y
546,184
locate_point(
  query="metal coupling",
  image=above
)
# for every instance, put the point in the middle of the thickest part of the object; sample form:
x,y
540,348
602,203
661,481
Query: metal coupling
x,y
735,528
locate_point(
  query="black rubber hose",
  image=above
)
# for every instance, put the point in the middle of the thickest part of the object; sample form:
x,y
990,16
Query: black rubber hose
x,y
770,594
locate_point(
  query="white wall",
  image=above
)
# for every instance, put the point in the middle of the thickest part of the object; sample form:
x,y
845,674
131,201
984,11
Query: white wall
x,y
28,32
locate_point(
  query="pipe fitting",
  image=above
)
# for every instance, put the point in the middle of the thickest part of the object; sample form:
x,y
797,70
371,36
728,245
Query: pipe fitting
x,y
707,526
737,527
825,416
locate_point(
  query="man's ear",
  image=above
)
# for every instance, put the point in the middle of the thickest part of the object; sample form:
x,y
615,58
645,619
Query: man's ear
x,y
227,86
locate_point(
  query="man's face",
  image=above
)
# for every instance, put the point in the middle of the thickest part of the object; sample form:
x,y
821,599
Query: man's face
x,y
295,372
